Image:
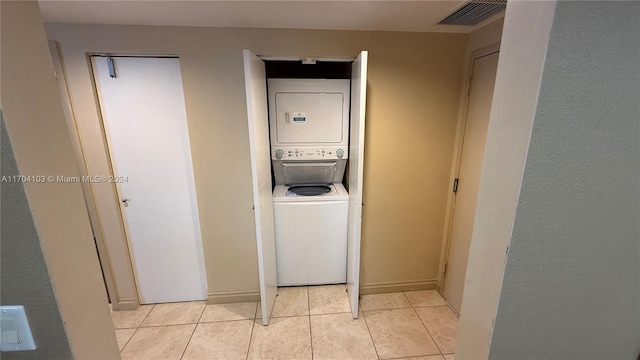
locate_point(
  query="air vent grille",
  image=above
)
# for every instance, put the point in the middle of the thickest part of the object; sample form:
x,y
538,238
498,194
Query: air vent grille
x,y
475,12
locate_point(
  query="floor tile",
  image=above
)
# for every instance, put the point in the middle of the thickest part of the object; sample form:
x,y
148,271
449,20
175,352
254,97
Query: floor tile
x,y
384,301
220,340
175,313
283,338
226,312
441,322
126,319
399,333
425,298
429,357
339,336
329,299
291,301
160,342
123,336
449,357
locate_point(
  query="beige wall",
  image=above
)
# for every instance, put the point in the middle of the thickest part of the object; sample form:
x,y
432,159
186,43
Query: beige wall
x,y
412,102
487,35
37,130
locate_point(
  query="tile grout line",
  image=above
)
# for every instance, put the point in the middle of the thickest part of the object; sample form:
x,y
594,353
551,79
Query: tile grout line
x,y
194,331
130,337
309,319
364,317
253,326
137,327
147,316
428,332
406,297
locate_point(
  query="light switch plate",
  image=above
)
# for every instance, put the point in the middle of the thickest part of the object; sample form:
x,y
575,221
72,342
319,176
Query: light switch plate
x,y
15,329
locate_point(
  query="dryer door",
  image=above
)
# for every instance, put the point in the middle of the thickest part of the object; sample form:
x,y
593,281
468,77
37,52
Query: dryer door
x,y
309,117
309,112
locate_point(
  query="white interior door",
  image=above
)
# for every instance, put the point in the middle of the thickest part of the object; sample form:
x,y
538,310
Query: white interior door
x,y
146,126
473,143
255,82
356,168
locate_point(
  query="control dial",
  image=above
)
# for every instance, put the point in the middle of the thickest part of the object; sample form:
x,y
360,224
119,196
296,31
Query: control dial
x,y
339,153
279,154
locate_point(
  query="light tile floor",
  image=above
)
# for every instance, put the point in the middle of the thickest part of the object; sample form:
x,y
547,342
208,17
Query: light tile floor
x,y
311,322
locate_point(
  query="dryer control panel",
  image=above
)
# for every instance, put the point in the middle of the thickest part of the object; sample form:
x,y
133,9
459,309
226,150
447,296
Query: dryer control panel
x,y
309,153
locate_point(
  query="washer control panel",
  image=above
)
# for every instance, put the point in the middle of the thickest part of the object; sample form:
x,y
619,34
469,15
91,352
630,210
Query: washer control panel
x,y
309,153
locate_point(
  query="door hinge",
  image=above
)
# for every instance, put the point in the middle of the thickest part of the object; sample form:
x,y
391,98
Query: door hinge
x,y
444,268
469,85
455,185
112,67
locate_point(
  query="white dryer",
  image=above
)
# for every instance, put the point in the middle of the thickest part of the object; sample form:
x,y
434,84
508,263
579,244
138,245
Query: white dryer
x,y
309,112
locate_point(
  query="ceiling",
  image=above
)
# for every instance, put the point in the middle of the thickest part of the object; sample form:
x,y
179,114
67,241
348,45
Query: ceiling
x,y
398,15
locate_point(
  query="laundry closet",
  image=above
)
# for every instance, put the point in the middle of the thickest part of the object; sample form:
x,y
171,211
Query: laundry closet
x,y
306,132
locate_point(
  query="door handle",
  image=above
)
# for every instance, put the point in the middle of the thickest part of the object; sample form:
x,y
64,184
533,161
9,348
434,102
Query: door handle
x,y
125,202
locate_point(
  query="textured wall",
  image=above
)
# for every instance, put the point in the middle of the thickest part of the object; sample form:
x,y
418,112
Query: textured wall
x,y
36,126
412,101
522,55
571,288
24,279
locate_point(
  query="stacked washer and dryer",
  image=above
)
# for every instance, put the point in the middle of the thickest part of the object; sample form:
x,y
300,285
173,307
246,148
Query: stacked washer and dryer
x,y
309,133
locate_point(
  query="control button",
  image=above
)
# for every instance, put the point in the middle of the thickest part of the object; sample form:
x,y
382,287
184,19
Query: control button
x,y
279,154
339,153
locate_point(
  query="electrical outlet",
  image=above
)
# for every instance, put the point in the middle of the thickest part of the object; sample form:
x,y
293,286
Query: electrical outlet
x,y
15,329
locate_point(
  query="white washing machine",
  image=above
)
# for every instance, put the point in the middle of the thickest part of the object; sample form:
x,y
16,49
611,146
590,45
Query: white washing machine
x,y
311,234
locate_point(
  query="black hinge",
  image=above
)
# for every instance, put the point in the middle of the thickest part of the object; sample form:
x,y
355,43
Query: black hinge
x,y
455,185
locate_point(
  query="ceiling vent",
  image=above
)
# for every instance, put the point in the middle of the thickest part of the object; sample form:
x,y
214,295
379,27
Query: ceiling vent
x,y
475,12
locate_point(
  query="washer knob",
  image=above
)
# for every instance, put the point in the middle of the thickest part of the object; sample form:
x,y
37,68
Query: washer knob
x,y
279,154
339,153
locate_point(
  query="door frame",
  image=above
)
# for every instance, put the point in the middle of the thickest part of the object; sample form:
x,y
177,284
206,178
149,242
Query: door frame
x,y
103,204
116,188
115,290
457,155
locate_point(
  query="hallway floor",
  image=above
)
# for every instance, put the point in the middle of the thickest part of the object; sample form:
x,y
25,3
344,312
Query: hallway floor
x,y
311,322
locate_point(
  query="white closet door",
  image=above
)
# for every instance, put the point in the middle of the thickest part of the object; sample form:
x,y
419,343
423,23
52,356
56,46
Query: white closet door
x,y
256,87
146,126
356,166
